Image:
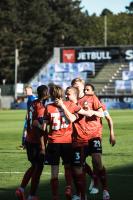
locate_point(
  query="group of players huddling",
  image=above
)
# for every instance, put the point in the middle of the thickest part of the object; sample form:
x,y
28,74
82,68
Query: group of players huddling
x,y
67,125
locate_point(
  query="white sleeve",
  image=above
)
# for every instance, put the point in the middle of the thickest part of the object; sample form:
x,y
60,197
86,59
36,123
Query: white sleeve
x,y
106,113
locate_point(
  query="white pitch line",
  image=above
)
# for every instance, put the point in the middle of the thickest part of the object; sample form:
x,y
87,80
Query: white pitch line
x,y
61,173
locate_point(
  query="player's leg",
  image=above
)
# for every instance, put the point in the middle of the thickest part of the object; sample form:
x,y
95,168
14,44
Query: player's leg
x,y
37,161
28,174
53,159
54,182
24,134
100,172
66,150
91,174
94,147
99,169
35,181
78,171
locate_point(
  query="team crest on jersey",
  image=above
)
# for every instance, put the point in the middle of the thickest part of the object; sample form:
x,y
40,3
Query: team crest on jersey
x,y
86,105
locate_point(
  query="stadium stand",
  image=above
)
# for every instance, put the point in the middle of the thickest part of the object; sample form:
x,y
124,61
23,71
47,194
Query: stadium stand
x,y
104,82
106,73
109,69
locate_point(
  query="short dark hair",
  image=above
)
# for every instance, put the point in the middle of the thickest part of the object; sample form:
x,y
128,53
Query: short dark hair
x,y
42,92
92,86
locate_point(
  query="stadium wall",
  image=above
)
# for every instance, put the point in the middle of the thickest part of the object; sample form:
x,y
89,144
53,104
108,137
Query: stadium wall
x,y
6,101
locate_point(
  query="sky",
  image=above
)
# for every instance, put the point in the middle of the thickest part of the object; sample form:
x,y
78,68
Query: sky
x,y
96,6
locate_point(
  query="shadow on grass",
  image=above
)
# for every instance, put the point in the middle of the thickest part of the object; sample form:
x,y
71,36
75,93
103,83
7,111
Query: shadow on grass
x,y
120,181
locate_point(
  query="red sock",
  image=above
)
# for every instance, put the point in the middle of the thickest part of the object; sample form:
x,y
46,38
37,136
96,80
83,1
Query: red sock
x,y
54,187
35,179
27,177
103,178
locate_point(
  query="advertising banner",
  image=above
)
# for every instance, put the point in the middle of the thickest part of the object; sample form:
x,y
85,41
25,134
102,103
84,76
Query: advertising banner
x,y
96,54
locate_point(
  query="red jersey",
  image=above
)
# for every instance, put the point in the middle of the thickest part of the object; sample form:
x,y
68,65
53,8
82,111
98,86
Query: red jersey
x,y
60,128
35,112
86,128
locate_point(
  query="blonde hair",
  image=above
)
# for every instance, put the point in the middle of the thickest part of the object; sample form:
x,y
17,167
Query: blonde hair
x,y
78,79
27,86
75,90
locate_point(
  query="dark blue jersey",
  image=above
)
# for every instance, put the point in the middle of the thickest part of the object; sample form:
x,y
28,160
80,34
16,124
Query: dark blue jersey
x,y
30,99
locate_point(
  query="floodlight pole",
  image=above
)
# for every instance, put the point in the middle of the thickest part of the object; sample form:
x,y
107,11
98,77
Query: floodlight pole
x,y
105,30
16,72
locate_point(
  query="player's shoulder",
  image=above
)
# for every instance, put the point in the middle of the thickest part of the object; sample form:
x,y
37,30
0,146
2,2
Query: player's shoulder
x,y
88,98
95,97
83,98
35,101
31,98
51,107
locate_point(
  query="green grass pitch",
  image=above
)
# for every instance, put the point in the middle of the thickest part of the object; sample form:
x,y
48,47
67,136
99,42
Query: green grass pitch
x,y
118,159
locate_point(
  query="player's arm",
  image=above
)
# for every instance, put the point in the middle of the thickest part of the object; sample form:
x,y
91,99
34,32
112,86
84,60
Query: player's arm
x,y
42,144
42,126
98,110
99,113
71,117
111,128
37,124
87,112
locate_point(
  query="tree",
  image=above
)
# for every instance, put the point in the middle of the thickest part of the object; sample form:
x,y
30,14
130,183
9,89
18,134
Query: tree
x,y
6,41
35,27
106,12
130,8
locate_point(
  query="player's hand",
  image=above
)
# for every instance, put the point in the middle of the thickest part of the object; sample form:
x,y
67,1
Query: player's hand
x,y
59,102
86,106
112,140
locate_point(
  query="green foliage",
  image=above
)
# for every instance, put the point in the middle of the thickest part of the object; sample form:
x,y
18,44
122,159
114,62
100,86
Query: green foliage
x,y
130,8
106,12
120,29
36,26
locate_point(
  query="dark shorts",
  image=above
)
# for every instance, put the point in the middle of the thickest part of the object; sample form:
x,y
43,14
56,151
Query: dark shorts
x,y
55,151
33,153
79,155
95,146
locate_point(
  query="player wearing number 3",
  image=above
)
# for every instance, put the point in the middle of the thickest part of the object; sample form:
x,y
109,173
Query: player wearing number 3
x,y
59,120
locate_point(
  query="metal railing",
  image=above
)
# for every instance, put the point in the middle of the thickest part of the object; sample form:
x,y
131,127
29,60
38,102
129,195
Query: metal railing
x,y
7,90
